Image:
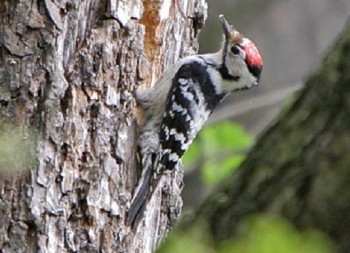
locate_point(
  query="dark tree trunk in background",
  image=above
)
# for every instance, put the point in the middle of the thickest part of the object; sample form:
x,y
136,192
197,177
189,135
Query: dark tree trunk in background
x,y
300,167
68,73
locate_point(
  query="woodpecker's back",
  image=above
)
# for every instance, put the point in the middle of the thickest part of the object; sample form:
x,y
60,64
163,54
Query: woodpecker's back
x,y
178,105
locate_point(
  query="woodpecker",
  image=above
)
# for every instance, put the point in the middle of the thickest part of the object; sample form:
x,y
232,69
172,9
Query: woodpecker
x,y
178,105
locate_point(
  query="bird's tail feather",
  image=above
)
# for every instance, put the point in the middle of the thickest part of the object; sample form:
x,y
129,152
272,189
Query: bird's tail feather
x,y
141,194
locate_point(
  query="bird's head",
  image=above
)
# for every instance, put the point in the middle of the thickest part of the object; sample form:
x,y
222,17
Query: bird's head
x,y
241,61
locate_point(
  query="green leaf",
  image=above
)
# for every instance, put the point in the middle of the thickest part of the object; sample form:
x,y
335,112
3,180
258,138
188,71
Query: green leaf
x,y
232,136
193,154
214,172
196,239
272,234
220,148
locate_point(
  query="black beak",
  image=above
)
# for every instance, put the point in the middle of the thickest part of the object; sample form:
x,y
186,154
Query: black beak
x,y
228,29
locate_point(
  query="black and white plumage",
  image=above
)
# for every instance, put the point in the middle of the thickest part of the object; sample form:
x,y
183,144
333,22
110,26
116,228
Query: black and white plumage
x,y
179,104
187,108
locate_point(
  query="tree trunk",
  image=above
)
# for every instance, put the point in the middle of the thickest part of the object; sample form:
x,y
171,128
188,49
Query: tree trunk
x,y
69,71
300,167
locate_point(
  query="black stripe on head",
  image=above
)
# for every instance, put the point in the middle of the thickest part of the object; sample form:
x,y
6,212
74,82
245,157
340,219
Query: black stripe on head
x,y
222,69
225,74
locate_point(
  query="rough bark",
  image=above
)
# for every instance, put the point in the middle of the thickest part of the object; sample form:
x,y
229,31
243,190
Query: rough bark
x,y
68,72
299,168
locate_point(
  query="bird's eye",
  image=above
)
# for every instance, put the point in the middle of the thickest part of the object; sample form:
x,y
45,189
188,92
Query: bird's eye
x,y
235,50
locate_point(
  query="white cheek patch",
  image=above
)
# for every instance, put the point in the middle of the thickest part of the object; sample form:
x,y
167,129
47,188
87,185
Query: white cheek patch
x,y
239,68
